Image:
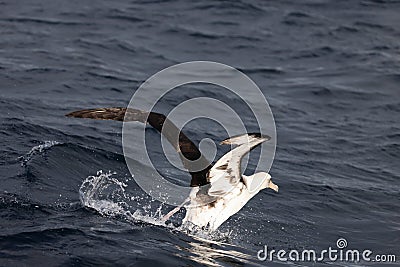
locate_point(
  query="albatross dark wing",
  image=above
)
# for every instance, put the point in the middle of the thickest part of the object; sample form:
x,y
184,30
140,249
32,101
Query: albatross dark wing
x,y
190,155
116,114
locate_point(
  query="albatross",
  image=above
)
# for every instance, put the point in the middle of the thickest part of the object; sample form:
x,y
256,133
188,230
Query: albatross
x,y
218,191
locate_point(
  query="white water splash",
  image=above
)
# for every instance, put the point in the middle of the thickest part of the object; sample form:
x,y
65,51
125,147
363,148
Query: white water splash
x,y
93,188
37,150
108,196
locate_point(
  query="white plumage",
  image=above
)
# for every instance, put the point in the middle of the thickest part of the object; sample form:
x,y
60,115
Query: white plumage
x,y
229,189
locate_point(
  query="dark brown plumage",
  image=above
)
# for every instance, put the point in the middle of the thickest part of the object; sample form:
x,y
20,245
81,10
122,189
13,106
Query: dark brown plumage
x,y
190,155
116,114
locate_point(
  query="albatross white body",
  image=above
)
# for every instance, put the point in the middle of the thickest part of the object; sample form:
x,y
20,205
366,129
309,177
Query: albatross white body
x,y
211,216
229,190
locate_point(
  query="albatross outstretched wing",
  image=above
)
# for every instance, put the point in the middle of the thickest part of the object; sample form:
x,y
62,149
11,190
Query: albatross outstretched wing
x,y
189,153
226,173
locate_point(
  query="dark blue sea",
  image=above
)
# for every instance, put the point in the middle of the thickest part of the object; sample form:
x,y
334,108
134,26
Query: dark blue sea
x,y
330,70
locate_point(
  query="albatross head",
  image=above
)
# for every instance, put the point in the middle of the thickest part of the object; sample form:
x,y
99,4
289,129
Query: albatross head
x,y
259,181
267,183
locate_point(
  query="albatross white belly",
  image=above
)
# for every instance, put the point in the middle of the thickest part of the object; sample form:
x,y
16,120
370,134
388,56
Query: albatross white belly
x,y
229,189
212,215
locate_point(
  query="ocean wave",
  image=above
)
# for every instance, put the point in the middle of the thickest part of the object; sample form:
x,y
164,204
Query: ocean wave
x,y
48,21
36,150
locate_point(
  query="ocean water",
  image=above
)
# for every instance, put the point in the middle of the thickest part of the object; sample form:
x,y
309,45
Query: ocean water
x,y
329,69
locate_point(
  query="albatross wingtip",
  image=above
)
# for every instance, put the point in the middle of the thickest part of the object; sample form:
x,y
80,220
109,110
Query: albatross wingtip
x,y
71,114
115,113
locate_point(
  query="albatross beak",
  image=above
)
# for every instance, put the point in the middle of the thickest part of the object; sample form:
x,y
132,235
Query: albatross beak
x,y
273,186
